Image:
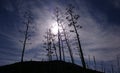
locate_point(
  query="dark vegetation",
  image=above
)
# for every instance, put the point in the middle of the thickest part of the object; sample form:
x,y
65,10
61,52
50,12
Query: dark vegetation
x,y
44,67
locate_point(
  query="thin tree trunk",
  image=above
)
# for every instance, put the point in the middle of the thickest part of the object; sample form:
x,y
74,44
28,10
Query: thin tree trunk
x,y
68,45
79,44
49,44
55,50
59,44
94,63
80,48
72,19
63,50
102,67
104,70
112,69
25,40
89,61
58,34
50,52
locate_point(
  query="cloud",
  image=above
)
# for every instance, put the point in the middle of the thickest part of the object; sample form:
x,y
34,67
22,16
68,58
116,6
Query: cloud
x,y
98,36
115,3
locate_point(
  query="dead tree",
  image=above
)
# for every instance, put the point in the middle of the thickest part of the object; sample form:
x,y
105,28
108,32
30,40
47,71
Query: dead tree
x,y
55,49
89,61
60,22
67,42
102,66
59,39
112,69
72,19
94,60
62,47
48,44
27,32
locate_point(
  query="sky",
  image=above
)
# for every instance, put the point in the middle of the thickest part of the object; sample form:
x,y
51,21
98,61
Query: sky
x,y
100,35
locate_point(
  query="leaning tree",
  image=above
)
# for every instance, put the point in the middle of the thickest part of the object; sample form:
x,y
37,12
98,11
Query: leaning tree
x,y
60,20
72,18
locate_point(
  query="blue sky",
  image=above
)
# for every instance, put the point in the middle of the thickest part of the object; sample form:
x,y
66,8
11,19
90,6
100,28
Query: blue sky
x,y
100,35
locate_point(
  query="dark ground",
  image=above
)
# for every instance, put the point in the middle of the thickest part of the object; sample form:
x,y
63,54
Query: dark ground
x,y
44,67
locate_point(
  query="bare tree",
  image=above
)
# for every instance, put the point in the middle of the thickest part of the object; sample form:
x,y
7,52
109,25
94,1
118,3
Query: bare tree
x,y
94,62
27,32
60,20
67,42
102,66
48,44
89,60
55,49
59,39
72,19
62,46
112,69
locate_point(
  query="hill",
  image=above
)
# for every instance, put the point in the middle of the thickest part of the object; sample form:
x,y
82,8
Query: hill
x,y
44,67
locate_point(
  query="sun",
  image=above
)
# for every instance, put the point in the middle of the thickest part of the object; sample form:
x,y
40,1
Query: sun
x,y
54,29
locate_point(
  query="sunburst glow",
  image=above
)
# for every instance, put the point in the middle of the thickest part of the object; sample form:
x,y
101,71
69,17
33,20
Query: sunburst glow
x,y
55,29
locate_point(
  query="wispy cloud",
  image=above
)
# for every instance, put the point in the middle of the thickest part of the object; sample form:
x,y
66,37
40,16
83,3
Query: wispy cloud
x,y
96,33
98,37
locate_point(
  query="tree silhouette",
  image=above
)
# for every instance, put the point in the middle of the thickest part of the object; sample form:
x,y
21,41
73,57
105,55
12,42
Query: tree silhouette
x,y
67,42
59,39
94,60
72,19
112,68
27,32
55,49
102,66
48,44
89,60
62,46
60,20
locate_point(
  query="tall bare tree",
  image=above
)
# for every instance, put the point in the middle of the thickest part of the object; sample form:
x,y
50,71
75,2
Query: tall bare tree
x,y
72,19
62,47
27,32
102,66
48,44
89,60
60,20
112,68
67,42
55,49
94,60
59,39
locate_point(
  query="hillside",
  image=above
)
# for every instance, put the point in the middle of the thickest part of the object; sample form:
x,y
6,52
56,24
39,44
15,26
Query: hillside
x,y
44,67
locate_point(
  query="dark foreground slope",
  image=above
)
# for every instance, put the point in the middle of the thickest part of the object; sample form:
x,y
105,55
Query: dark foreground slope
x,y
44,67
